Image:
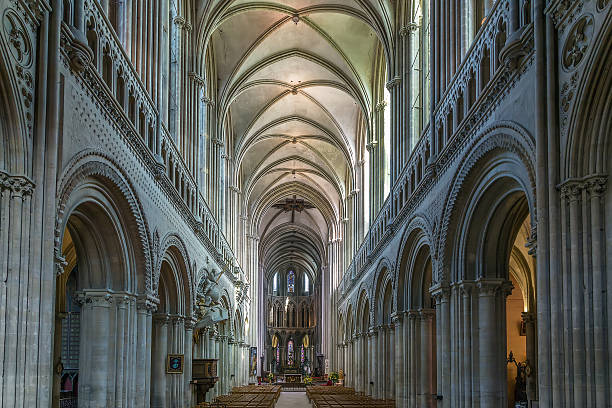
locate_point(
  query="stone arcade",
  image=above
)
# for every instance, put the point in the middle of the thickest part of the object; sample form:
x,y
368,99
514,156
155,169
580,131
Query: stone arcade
x,y
413,192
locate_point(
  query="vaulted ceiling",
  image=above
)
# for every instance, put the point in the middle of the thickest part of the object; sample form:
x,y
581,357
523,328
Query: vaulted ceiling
x,y
294,94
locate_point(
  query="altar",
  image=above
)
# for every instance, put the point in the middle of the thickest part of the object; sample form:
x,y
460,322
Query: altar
x,y
293,378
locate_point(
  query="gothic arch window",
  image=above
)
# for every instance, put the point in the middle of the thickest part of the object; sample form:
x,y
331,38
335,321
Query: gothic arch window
x,y
420,72
275,283
291,282
290,353
306,283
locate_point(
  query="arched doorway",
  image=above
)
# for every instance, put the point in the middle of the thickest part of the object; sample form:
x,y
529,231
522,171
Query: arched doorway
x,y
171,329
382,342
96,311
416,309
491,259
520,320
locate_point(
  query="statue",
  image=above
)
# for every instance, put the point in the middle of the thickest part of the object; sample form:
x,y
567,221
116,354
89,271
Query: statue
x,y
208,294
523,370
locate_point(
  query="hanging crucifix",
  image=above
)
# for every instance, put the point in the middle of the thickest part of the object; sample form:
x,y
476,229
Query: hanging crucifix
x,y
293,204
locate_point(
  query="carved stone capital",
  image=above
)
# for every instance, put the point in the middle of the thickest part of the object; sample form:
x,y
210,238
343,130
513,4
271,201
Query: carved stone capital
x,y
380,106
440,293
122,300
493,287
392,83
190,323
466,287
408,29
427,314
597,185
161,318
372,145
177,319
94,299
19,186
195,77
146,305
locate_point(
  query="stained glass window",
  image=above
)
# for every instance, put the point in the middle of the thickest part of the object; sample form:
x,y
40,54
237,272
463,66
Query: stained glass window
x,y
290,354
291,282
275,282
306,283
302,354
277,354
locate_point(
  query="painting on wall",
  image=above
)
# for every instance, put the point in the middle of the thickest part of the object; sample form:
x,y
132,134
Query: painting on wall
x,y
253,360
174,364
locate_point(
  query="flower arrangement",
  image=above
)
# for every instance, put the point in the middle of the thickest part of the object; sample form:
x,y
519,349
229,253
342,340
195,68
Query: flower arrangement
x,y
270,377
333,376
307,380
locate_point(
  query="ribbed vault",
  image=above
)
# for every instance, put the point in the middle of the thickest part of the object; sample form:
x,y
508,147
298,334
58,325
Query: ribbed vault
x,y
293,92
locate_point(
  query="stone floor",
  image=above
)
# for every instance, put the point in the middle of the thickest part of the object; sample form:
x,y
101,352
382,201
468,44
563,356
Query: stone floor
x,y
293,400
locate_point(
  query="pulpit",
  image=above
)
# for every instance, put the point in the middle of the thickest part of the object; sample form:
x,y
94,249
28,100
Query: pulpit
x,y
203,376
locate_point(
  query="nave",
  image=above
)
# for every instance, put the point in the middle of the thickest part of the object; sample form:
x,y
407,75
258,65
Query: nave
x,y
405,198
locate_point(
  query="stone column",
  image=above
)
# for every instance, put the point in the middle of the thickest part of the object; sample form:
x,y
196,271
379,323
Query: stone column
x,y
468,358
391,361
17,279
144,334
443,344
380,366
400,384
490,337
426,353
94,348
597,189
412,357
370,378
158,363
375,362
187,351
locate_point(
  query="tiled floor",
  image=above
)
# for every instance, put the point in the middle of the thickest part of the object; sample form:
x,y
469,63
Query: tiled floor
x,y
293,400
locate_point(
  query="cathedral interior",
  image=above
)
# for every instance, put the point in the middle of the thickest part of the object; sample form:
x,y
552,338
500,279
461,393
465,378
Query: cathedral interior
x,y
406,197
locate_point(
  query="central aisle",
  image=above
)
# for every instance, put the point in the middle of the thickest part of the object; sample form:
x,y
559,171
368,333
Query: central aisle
x,y
293,400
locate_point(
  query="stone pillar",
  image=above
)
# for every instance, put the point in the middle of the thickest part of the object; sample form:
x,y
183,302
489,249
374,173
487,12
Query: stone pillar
x,y
375,362
144,334
400,385
490,338
427,361
391,361
371,379
94,348
187,351
15,220
412,357
468,358
158,361
443,345
380,355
